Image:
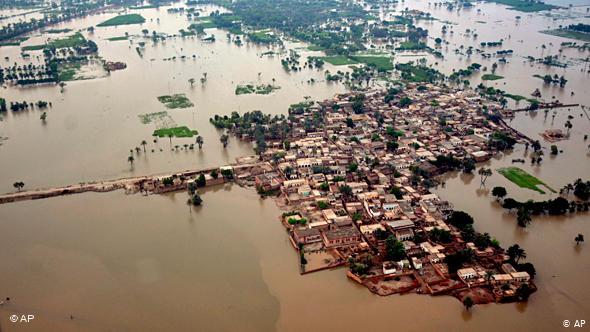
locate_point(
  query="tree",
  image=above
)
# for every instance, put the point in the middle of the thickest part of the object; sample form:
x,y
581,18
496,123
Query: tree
x,y
200,141
460,219
523,217
515,253
195,200
18,185
191,81
43,116
224,140
394,249
143,143
523,292
130,159
201,182
468,303
484,174
579,238
468,165
346,190
568,125
170,138
499,192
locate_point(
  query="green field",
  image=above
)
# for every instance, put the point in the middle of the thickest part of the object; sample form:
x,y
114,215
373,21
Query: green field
x,y
32,48
566,33
67,72
412,46
74,40
262,89
524,6
178,100
491,77
523,179
382,63
118,38
123,20
58,30
337,60
315,48
182,131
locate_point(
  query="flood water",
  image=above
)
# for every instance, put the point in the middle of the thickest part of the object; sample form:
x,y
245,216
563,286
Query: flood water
x,y
133,263
94,123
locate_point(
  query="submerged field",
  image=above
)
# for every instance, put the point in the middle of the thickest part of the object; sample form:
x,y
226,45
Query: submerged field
x,y
523,179
567,33
178,100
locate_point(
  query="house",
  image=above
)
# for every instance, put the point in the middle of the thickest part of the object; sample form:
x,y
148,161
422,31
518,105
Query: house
x,y
389,268
480,156
416,263
341,236
307,235
520,276
501,279
467,273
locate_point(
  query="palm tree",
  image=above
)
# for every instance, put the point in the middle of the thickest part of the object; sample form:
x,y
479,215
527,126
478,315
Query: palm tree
x,y
523,217
18,185
489,275
130,159
515,252
200,141
579,238
484,174
568,125
191,81
170,137
468,303
224,140
143,143
62,85
137,149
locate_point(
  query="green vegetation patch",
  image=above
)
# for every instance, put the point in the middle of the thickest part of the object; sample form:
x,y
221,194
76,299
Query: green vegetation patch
x,y
68,71
263,37
382,63
566,33
58,30
523,179
525,6
118,38
491,77
178,100
32,48
182,131
123,20
417,74
412,46
519,98
262,89
74,40
315,48
338,60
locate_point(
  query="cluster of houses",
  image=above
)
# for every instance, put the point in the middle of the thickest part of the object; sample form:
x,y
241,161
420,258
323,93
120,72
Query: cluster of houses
x,y
361,176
